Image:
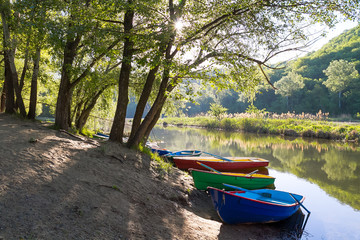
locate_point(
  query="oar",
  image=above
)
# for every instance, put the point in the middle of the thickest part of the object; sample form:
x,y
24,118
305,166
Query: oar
x,y
307,217
210,168
264,194
251,173
299,203
235,187
219,157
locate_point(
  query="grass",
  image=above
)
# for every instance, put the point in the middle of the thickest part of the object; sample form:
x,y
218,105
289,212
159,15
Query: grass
x,y
163,166
292,126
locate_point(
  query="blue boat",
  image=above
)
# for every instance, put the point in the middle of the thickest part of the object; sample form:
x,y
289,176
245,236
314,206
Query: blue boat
x,y
254,206
160,151
101,135
184,153
154,147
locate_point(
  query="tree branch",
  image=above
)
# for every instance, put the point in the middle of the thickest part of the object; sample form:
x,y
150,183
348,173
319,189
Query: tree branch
x,y
93,62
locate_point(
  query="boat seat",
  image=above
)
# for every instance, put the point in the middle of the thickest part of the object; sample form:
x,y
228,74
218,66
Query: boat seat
x,y
268,195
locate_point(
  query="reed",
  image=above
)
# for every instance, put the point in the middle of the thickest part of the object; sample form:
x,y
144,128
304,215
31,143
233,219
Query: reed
x,y
290,124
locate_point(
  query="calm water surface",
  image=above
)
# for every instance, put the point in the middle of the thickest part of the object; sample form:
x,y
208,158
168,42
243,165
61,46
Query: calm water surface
x,y
327,173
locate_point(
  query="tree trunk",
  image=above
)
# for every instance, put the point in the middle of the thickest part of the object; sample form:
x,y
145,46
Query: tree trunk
x,y
77,111
63,104
139,135
287,103
3,97
9,55
117,129
25,67
153,122
143,100
140,132
34,82
340,100
84,115
9,87
62,113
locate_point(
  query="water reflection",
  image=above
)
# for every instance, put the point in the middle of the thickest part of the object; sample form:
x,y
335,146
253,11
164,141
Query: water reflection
x,y
333,166
294,226
327,173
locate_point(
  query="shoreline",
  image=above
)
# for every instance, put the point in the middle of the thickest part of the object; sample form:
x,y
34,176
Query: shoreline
x,y
333,131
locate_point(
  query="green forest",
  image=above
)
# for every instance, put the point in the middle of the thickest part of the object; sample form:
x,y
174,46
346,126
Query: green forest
x,y
307,90
79,60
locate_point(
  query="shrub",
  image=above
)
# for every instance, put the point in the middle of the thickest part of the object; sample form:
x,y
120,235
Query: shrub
x,y
291,132
308,133
228,124
217,110
352,135
321,134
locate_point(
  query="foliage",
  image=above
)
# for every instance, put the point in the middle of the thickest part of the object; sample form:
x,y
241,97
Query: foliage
x,y
310,98
217,110
223,45
87,132
340,73
288,84
254,110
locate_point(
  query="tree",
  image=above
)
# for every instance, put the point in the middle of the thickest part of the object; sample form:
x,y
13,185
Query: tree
x,y
288,84
23,34
84,42
34,85
340,74
117,129
89,91
11,75
222,44
231,37
217,110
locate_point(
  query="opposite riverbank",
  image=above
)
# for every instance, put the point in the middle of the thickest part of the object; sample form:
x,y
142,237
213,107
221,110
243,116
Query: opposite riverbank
x,y
288,127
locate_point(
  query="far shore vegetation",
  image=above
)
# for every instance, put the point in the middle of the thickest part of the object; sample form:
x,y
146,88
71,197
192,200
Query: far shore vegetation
x,y
261,121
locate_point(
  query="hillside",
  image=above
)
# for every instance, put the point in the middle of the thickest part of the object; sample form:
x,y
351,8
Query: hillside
x,y
310,98
345,46
55,186
314,96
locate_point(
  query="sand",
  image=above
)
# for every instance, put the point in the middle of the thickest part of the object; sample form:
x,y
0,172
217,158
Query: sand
x,y
57,186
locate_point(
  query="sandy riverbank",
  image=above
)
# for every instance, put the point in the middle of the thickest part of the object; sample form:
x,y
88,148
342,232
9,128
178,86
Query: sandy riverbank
x,y
55,186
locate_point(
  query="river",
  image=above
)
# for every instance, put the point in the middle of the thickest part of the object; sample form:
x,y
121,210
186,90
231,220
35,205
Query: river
x,y
327,173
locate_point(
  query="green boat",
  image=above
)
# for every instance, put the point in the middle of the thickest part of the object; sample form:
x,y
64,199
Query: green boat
x,y
204,179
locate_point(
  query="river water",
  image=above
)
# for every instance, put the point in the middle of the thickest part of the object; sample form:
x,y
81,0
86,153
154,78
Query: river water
x,y
327,173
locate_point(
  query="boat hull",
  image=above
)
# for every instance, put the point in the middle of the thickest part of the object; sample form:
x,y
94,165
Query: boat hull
x,y
204,179
184,153
237,207
184,163
159,151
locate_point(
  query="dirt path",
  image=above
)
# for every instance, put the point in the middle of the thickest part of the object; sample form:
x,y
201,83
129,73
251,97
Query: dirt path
x,y
55,186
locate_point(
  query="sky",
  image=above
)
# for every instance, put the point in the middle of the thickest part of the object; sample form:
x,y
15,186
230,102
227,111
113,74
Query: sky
x,y
339,29
336,31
